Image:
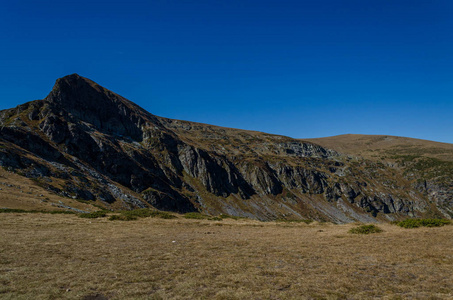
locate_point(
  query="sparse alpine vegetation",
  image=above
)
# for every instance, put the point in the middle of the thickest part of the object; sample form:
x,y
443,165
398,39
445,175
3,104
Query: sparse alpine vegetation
x,y
415,223
365,229
53,212
199,216
94,215
130,215
198,259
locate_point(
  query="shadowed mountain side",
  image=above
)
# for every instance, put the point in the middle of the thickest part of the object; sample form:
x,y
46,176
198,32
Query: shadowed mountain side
x,y
85,142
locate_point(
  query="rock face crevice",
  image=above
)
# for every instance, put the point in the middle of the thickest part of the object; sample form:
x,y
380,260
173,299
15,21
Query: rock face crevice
x,y
106,148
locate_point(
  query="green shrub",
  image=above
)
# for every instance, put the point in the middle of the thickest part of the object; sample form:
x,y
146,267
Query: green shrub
x,y
365,229
93,215
415,223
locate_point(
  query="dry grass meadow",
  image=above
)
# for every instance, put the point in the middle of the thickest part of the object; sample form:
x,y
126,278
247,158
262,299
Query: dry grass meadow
x,y
46,256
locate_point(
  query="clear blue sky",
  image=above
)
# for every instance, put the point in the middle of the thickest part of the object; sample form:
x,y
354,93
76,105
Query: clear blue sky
x,y
297,68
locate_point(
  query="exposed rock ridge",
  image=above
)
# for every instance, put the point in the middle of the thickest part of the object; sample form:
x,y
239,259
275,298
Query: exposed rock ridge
x,y
104,147
108,112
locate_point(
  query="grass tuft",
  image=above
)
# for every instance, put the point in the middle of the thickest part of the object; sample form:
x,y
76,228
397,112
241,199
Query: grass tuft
x,y
365,229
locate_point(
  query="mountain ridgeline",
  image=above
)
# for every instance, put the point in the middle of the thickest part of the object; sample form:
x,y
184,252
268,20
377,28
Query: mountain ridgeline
x,y
85,142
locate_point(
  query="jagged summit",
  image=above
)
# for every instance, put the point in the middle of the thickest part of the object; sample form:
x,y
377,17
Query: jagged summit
x,y
77,92
74,88
89,102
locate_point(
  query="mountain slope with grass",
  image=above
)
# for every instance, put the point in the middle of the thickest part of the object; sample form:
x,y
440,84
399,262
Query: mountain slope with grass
x,y
427,165
84,142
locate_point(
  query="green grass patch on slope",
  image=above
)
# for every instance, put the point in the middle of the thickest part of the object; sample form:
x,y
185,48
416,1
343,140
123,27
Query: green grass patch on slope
x,y
129,215
415,223
94,215
15,210
199,216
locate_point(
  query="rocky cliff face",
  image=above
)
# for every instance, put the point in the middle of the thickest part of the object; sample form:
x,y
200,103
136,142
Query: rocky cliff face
x,y
86,142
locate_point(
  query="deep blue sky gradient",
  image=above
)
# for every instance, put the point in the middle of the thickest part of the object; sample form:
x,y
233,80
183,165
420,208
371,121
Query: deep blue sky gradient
x,y
297,68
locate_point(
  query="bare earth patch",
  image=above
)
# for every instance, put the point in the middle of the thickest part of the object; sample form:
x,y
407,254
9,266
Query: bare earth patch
x,y
66,257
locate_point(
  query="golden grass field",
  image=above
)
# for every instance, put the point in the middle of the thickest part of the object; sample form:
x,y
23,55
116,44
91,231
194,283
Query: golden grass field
x,y
46,256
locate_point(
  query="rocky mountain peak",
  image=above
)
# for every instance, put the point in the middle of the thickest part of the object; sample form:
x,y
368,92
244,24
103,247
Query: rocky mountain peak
x,y
89,102
76,93
81,142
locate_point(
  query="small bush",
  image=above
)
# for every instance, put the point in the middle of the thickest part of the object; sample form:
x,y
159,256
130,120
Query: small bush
x,y
365,229
93,215
415,223
115,218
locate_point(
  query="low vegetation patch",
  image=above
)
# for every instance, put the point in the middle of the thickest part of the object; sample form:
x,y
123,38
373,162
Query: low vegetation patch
x,y
415,223
53,212
94,215
129,215
199,216
224,216
196,215
365,229
122,218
